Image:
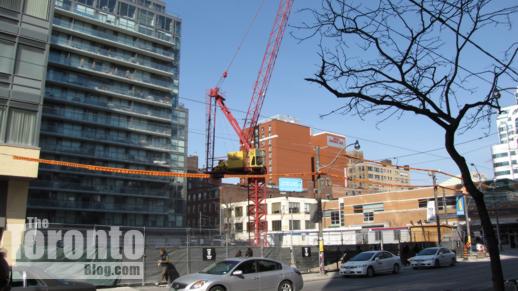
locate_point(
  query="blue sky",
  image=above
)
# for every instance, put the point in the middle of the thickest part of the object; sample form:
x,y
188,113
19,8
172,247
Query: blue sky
x,y
211,32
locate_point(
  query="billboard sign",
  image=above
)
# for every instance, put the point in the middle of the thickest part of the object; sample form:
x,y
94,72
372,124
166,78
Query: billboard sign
x,y
335,141
430,210
459,205
290,184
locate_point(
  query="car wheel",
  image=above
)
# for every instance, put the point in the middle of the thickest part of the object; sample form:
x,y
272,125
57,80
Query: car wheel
x,y
285,286
453,262
436,264
370,272
217,288
395,269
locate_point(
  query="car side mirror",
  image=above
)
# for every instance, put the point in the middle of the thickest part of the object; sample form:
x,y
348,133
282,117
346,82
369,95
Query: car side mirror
x,y
377,259
237,273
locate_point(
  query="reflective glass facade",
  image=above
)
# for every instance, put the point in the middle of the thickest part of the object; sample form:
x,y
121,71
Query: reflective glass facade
x,y
111,99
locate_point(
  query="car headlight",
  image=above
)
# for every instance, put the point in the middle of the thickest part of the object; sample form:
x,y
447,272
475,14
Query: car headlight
x,y
198,284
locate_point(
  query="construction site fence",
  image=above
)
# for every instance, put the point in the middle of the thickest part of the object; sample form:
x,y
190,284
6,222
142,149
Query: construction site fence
x,y
186,249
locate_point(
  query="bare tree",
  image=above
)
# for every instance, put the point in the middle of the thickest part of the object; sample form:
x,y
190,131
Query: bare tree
x,y
391,57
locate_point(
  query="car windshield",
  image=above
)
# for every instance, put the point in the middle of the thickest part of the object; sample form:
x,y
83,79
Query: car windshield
x,y
220,268
362,257
427,252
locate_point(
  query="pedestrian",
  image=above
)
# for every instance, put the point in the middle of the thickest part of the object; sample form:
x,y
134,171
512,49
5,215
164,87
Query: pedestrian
x,y
405,252
4,272
238,254
164,263
249,252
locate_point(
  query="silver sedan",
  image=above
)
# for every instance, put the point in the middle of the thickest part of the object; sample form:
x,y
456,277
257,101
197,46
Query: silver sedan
x,y
242,274
371,263
433,257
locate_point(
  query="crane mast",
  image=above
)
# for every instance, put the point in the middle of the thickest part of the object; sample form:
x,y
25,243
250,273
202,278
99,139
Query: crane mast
x,y
249,160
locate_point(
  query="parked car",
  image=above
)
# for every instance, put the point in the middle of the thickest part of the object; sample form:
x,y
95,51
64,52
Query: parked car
x,y
33,279
433,257
240,274
371,263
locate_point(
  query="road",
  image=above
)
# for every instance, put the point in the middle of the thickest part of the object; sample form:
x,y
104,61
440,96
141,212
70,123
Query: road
x,y
464,276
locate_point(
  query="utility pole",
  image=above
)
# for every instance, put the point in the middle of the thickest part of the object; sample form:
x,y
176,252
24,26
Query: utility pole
x,y
437,220
321,263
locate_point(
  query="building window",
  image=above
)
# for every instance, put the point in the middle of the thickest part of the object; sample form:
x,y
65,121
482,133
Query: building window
x,y
239,211
397,234
6,57
276,208
276,225
374,207
294,207
238,227
358,208
37,8
335,218
29,62
342,214
294,224
501,164
11,4
126,10
21,127
378,235
368,216
423,203
309,225
147,17
307,208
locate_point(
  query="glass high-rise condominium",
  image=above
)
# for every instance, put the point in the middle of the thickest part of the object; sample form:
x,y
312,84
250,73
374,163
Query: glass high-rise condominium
x,y
111,99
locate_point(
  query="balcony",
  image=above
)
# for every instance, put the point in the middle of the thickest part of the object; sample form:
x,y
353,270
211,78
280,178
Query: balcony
x,y
116,22
107,121
87,83
140,111
100,189
125,75
91,151
109,36
126,57
95,206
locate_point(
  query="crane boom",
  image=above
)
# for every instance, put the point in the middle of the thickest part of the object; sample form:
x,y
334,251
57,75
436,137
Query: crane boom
x,y
250,159
267,65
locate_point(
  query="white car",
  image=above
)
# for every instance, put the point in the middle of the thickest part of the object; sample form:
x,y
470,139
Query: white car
x,y
433,257
371,263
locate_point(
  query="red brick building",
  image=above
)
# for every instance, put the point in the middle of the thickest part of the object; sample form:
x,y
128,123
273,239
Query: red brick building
x,y
290,150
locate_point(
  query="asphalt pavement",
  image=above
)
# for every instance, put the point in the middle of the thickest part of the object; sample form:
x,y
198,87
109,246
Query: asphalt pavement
x,y
473,275
463,276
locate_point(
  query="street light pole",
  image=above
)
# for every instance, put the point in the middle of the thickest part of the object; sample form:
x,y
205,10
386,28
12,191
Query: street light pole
x,y
318,167
318,195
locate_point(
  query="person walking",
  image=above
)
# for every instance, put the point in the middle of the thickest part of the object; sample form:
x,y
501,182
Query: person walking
x,y
249,252
238,254
164,263
4,272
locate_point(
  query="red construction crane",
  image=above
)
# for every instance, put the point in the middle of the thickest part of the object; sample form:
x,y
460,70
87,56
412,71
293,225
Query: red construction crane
x,y
250,159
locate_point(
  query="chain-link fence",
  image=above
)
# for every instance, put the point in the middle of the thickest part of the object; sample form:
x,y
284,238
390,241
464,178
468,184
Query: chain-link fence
x,y
191,250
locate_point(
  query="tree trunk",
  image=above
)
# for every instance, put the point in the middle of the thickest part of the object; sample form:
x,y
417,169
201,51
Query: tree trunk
x,y
489,233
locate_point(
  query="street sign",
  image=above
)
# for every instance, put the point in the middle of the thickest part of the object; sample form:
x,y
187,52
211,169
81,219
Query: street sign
x,y
290,184
306,252
209,254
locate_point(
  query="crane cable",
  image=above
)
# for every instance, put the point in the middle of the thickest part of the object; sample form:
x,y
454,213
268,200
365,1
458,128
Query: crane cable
x,y
238,49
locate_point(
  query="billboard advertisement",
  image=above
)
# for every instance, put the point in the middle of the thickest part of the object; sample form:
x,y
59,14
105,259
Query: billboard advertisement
x,y
335,141
290,185
459,205
430,210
